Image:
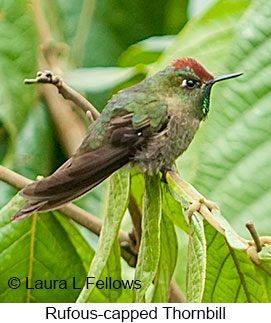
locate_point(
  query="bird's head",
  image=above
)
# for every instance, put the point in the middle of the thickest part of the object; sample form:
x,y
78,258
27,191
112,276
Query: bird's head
x,y
190,81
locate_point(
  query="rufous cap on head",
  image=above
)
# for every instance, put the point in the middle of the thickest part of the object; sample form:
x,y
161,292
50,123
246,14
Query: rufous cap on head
x,y
193,65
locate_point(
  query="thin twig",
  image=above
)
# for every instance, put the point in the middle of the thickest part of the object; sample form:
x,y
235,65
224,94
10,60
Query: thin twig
x,y
70,129
136,218
251,228
16,180
67,92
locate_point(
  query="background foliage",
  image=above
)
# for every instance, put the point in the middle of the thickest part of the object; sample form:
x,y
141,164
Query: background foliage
x,y
104,46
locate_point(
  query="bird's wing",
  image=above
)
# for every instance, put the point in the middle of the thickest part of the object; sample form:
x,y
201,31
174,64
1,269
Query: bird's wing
x,y
87,169
153,114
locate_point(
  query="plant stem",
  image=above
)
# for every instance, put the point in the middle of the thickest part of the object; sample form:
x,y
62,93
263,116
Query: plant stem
x,y
251,228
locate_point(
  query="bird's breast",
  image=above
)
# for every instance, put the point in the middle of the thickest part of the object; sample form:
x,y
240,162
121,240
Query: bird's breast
x,y
180,132
166,146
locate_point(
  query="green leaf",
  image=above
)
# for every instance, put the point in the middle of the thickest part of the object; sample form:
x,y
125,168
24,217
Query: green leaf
x,y
110,273
18,52
264,271
137,187
146,51
196,262
149,251
178,189
167,261
231,277
108,253
34,146
98,79
172,207
181,268
34,149
80,244
40,248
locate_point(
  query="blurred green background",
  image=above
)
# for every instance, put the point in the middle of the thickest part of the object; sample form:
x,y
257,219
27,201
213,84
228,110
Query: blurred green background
x,y
103,46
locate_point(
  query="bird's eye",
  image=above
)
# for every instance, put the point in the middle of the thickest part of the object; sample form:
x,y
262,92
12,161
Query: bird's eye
x,y
190,84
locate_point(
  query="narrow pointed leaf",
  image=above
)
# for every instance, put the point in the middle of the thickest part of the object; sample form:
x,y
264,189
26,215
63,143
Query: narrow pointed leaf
x,y
173,208
149,252
108,253
196,262
167,261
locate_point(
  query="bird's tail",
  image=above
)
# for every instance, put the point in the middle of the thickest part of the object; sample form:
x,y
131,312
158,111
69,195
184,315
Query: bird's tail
x,y
77,177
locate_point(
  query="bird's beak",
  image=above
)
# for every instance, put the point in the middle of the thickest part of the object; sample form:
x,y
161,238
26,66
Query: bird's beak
x,y
224,77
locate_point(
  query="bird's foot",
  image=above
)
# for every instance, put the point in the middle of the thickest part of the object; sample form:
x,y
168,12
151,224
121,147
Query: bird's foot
x,y
196,205
164,173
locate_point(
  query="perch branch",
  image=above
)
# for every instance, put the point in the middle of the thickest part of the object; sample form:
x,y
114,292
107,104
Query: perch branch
x,y
16,180
205,206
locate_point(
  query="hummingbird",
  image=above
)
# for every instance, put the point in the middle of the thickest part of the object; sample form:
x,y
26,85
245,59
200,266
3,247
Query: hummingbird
x,y
148,126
